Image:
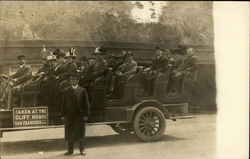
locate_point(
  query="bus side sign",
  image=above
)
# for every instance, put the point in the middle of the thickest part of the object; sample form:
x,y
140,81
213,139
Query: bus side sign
x,y
30,116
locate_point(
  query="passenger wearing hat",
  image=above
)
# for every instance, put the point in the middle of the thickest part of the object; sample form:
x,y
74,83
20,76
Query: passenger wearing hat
x,y
24,72
187,64
128,67
75,112
101,64
61,63
160,64
119,60
70,65
83,65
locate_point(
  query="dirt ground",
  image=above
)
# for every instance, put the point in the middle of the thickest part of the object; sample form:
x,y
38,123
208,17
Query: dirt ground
x,y
184,139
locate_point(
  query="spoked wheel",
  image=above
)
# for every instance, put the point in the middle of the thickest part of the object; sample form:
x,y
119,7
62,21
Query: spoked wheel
x,y
149,124
122,128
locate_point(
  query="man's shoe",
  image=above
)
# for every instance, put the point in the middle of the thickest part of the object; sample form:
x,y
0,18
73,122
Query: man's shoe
x,y
68,153
83,153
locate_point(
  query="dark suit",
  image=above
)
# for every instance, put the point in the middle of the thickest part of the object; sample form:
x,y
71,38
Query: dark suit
x,y
75,106
65,70
22,75
160,64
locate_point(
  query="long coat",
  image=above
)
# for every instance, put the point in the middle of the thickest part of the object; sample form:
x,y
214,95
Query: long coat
x,y
22,75
75,105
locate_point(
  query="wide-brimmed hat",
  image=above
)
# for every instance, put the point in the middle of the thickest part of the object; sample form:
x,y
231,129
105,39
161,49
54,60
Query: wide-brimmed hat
x,y
20,57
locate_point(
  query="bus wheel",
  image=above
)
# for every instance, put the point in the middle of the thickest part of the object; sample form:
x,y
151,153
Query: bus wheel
x,y
149,124
122,128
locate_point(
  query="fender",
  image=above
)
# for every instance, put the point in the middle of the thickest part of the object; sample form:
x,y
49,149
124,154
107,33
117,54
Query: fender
x,y
145,103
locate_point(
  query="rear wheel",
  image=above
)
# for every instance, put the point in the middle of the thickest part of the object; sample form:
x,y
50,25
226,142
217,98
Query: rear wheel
x,y
149,124
122,128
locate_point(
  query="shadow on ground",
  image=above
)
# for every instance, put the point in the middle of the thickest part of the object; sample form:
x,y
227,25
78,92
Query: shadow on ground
x,y
35,146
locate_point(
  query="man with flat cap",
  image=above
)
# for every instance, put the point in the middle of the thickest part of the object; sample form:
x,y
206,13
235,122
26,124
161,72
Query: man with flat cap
x,y
75,112
160,64
24,72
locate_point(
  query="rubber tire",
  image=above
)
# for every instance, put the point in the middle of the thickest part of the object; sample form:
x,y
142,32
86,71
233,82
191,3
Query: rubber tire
x,y
127,129
161,117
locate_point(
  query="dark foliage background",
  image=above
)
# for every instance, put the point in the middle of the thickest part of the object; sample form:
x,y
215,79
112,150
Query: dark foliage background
x,y
188,22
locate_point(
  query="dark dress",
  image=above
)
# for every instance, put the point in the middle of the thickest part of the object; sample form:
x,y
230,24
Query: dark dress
x,y
75,105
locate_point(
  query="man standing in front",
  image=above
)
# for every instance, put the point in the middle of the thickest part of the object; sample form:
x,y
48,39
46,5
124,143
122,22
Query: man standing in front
x,y
75,112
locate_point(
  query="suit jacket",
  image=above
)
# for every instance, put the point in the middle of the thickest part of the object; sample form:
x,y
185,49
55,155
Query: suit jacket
x,y
128,68
190,63
160,64
67,69
99,68
22,75
75,105
75,102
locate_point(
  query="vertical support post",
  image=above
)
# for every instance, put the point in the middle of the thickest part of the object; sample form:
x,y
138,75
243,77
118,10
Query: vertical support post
x,y
1,135
184,108
8,96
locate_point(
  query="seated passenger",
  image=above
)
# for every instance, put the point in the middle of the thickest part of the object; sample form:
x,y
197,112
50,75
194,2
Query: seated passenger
x,y
84,65
61,62
100,64
69,67
119,60
187,64
128,67
23,74
160,64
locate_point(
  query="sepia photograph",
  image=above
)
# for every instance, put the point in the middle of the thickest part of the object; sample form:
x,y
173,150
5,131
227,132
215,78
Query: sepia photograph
x,y
124,80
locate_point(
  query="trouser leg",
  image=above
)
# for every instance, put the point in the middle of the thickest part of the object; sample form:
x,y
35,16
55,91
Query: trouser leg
x,y
71,146
82,141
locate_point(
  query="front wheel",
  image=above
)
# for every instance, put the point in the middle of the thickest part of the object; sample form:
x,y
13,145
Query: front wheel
x,y
149,124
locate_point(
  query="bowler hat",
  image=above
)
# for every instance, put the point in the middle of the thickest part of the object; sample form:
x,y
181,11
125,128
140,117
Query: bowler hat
x,y
83,58
20,57
129,53
158,48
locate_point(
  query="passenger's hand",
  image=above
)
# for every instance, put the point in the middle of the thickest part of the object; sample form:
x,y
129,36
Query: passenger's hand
x,y
14,80
62,118
118,73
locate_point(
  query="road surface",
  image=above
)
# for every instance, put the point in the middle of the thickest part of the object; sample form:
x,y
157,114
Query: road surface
x,y
183,139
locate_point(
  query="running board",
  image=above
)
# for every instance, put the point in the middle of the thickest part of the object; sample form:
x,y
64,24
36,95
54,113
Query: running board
x,y
181,117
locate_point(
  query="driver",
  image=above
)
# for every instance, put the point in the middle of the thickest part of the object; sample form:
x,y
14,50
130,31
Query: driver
x,y
23,73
